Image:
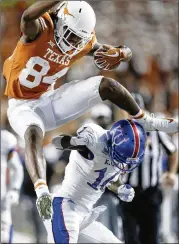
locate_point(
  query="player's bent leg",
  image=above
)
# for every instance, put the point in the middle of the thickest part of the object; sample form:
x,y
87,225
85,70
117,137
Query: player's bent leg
x,y
97,233
70,101
65,221
34,153
113,91
31,127
36,166
22,116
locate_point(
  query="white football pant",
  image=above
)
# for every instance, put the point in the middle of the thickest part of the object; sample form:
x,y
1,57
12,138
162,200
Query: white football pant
x,y
54,108
70,225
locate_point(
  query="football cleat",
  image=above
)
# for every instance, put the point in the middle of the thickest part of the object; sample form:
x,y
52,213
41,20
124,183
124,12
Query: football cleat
x,y
44,206
150,123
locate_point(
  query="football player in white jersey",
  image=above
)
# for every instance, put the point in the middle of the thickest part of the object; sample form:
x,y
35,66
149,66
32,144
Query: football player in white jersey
x,y
11,181
98,158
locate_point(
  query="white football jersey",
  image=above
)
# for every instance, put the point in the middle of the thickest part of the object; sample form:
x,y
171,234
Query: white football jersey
x,y
8,143
89,172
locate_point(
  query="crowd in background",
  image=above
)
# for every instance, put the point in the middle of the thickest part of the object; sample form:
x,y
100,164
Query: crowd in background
x,y
150,29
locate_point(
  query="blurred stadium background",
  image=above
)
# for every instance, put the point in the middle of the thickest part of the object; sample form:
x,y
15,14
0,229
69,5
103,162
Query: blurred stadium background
x,y
150,29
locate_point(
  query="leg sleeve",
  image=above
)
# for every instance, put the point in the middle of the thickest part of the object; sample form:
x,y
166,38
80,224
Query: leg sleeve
x,y
97,233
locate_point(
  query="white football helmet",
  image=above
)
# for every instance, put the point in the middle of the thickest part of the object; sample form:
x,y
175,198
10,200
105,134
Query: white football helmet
x,y
74,26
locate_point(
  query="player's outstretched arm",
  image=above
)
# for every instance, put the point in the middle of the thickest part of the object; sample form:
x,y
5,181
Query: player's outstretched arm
x,y
30,25
85,138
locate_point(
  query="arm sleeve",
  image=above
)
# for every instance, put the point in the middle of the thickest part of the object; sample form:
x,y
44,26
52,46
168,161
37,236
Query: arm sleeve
x,y
87,136
67,142
167,142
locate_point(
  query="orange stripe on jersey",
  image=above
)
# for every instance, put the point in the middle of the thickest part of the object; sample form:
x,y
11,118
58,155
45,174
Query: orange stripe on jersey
x,y
34,66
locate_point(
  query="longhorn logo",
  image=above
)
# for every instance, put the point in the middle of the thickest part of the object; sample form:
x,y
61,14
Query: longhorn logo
x,y
66,11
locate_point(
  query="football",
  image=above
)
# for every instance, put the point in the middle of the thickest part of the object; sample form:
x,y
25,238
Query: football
x,y
109,57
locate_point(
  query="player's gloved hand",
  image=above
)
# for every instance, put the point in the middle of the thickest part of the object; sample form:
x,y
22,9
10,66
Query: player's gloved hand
x,y
108,57
85,136
13,197
126,193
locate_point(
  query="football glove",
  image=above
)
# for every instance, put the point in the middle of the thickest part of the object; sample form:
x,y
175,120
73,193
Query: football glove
x,y
86,136
126,193
109,57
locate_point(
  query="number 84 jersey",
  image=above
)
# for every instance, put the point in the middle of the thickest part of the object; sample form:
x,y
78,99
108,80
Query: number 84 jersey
x,y
89,172
35,66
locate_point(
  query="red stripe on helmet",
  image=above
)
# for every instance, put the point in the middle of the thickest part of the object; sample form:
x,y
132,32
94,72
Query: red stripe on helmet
x,y
136,139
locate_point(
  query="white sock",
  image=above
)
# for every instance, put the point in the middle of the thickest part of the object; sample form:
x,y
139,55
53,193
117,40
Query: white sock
x,y
41,187
139,115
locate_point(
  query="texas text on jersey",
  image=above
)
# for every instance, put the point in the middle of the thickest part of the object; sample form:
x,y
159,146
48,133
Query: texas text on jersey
x,y
34,66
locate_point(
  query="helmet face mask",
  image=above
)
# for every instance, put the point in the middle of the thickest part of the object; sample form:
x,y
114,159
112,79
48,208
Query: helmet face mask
x,y
70,34
126,167
69,41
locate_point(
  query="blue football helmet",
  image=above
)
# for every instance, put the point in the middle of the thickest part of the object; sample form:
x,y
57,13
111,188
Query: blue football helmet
x,y
126,142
